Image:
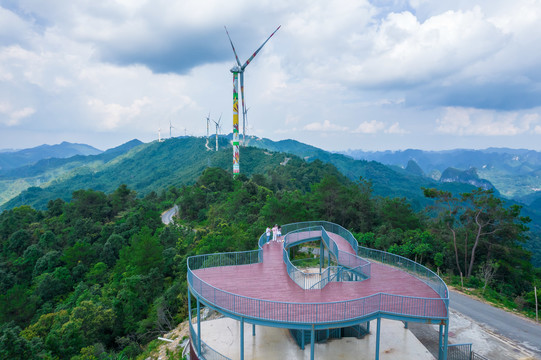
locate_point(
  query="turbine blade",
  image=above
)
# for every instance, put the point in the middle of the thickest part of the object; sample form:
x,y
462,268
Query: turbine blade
x,y
233,47
255,53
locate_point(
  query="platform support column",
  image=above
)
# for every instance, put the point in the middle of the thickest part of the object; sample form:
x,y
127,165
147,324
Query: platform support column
x,y
368,327
328,258
302,339
198,328
312,341
405,324
321,256
378,331
253,329
241,338
440,340
445,340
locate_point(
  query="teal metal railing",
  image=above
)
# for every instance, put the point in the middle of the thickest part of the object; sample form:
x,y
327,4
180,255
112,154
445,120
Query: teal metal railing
x,y
411,267
316,313
417,270
320,313
348,263
207,353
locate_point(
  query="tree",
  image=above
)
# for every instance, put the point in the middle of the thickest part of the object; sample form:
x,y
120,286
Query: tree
x,y
487,271
144,253
477,215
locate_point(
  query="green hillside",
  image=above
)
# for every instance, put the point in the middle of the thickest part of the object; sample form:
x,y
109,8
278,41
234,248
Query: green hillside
x,y
15,159
41,174
178,161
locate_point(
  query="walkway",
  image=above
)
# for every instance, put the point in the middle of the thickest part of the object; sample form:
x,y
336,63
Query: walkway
x,y
269,280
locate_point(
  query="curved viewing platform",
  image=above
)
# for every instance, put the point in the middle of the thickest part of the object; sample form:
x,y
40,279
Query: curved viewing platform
x,y
263,287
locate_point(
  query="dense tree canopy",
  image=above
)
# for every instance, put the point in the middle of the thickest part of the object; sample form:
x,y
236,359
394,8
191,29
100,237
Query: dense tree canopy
x,y
100,276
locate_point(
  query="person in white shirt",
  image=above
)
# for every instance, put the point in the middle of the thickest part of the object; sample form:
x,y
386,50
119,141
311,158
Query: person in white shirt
x,y
268,233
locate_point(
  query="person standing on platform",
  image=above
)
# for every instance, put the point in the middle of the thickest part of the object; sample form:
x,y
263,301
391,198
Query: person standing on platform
x,y
274,232
268,233
279,233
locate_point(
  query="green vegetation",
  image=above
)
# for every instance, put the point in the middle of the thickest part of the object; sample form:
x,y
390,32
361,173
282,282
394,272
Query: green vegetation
x,y
100,277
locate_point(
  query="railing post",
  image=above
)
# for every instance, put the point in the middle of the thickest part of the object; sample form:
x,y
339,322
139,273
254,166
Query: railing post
x,y
321,255
198,327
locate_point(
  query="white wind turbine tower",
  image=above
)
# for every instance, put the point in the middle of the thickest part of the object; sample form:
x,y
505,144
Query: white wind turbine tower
x,y
217,130
208,123
160,135
170,127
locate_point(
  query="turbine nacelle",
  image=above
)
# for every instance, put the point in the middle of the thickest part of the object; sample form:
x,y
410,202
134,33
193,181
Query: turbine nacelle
x,y
236,69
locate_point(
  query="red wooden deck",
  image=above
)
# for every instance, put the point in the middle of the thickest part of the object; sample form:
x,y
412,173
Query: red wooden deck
x,y
269,280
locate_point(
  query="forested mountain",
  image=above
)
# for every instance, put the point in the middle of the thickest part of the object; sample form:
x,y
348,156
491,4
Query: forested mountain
x,y
178,161
40,174
514,172
100,276
18,158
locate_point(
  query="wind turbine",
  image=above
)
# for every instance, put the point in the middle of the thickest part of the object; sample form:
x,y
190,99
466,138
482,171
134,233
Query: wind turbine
x,y
236,70
170,127
208,122
217,130
160,135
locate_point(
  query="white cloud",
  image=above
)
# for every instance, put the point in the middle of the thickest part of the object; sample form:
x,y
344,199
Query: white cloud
x,y
113,115
467,121
92,67
11,117
369,127
326,125
396,129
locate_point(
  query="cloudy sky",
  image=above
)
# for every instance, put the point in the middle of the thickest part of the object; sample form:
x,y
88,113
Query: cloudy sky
x,y
348,74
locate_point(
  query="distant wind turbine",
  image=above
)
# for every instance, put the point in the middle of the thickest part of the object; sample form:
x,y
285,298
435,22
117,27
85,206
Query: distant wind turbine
x,y
236,70
217,130
170,127
208,122
160,135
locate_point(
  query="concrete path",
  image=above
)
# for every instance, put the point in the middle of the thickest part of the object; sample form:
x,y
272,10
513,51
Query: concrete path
x,y
167,216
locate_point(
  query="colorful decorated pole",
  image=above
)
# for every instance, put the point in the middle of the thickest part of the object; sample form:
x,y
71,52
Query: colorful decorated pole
x,y
236,166
236,70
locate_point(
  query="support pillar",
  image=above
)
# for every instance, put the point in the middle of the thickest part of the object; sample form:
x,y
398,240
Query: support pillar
x,y
302,339
253,329
368,327
312,341
445,340
198,328
328,258
405,324
321,256
241,338
440,340
378,332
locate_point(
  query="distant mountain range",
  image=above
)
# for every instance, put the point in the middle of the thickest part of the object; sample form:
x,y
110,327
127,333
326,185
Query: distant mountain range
x,y
156,166
515,173
178,161
10,159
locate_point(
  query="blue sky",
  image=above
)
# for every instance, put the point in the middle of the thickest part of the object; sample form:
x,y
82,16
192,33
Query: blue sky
x,y
371,75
